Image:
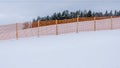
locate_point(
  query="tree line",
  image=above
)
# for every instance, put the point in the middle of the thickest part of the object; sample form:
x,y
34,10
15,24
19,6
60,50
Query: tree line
x,y
66,14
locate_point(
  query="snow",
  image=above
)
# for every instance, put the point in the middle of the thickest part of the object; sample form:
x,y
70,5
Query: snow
x,y
99,49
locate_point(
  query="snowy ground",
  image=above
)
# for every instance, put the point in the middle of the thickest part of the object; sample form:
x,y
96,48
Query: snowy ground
x,y
100,49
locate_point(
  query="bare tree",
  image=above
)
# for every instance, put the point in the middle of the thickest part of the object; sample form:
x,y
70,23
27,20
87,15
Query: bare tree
x,y
26,25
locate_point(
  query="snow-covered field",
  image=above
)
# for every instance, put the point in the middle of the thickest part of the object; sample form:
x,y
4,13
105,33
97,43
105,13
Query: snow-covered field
x,y
100,49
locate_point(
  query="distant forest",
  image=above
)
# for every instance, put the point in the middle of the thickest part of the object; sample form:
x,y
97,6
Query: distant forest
x,y
68,15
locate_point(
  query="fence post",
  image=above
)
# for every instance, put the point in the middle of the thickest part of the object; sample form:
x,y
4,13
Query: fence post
x,y
56,22
77,19
17,31
111,22
94,23
38,27
77,25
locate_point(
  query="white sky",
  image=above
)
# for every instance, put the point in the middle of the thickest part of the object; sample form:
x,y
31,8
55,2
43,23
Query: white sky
x,y
12,11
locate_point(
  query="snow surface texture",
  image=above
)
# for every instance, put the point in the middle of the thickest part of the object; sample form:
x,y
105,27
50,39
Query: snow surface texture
x,y
100,49
9,32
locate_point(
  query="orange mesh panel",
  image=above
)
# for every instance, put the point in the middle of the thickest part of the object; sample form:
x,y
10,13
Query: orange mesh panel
x,y
86,26
27,33
66,28
116,23
7,31
103,24
47,30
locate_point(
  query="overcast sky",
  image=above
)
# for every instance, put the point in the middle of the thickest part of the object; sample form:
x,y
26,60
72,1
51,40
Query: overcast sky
x,y
12,11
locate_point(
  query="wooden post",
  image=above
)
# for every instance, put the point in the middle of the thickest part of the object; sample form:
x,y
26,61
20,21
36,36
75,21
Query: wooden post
x,y
77,25
111,22
38,27
94,23
31,28
17,31
56,27
77,19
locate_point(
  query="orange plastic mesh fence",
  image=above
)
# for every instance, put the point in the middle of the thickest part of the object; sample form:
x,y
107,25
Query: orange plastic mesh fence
x,y
116,23
47,30
66,28
55,27
7,32
86,26
103,24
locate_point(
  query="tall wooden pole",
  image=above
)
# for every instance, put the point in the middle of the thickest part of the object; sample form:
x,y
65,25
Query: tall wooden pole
x,y
111,22
56,27
77,25
31,28
17,31
78,19
94,23
38,27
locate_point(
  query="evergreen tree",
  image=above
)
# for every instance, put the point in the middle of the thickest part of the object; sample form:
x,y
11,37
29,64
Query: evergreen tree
x,y
85,13
111,13
93,14
72,15
119,13
59,16
47,18
38,18
89,14
65,14
115,13
106,13
34,20
77,14
81,14
68,15
54,16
